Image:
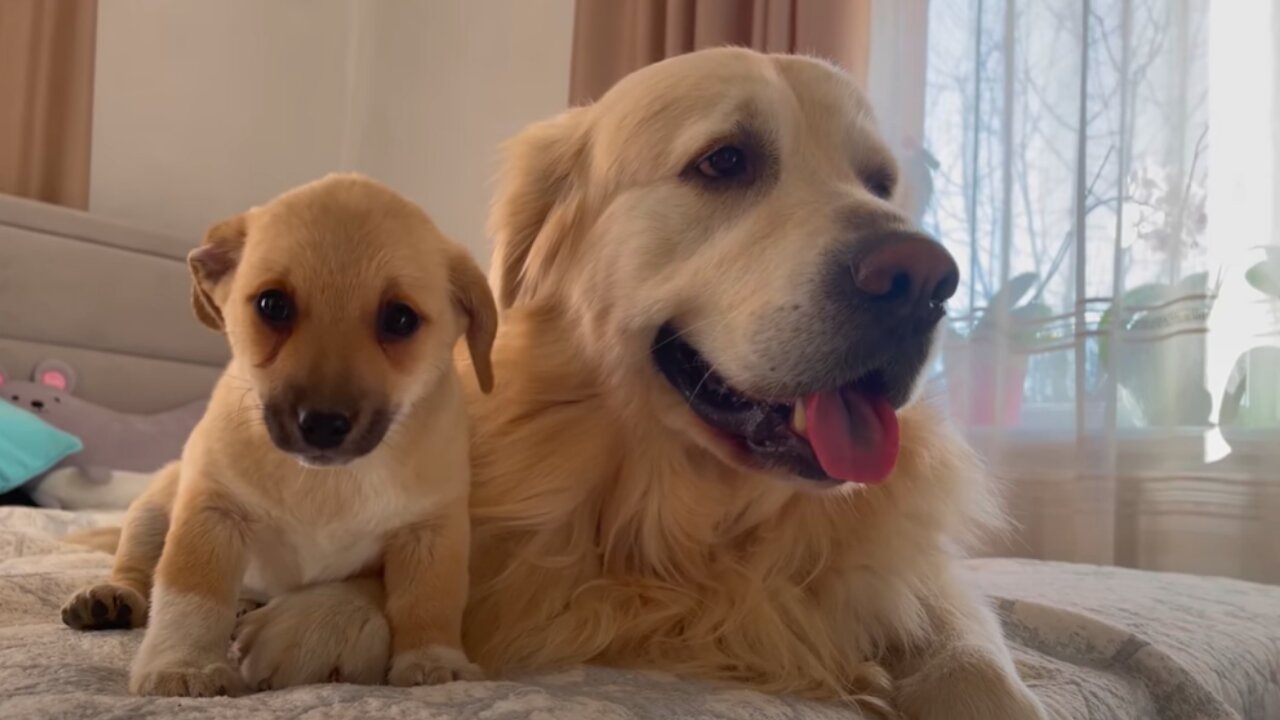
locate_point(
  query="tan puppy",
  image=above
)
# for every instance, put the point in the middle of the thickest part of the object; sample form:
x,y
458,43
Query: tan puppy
x,y
335,445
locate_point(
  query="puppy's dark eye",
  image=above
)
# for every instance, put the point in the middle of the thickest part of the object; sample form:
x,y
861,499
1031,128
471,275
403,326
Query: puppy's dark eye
x,y
723,163
275,308
398,321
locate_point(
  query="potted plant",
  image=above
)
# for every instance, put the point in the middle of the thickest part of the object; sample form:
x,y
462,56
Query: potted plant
x,y
1167,385
987,368
1252,397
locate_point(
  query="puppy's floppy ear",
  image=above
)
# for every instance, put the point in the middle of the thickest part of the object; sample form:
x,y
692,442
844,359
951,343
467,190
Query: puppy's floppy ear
x,y
536,197
474,300
211,267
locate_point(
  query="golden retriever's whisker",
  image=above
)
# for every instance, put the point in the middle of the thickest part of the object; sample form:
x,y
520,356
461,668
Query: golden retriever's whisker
x,y
684,331
698,387
710,370
722,319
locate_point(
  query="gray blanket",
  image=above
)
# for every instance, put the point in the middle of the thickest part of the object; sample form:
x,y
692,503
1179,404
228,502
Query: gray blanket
x,y
1094,643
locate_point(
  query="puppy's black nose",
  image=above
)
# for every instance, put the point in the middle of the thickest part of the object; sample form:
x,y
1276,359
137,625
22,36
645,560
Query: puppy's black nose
x,y
323,430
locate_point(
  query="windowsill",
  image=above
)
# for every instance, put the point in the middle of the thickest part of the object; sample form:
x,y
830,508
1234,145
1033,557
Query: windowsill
x,y
1051,441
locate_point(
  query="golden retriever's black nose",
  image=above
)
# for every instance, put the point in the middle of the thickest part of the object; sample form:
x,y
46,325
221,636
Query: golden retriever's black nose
x,y
323,430
908,269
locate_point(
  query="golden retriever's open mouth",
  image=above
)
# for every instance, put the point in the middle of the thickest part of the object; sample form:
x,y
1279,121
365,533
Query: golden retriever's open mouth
x,y
842,434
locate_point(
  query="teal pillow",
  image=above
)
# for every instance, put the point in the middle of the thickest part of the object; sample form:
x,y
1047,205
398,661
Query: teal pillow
x,y
29,446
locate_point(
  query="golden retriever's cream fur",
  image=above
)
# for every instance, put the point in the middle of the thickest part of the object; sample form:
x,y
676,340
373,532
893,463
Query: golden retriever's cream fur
x,y
601,537
611,525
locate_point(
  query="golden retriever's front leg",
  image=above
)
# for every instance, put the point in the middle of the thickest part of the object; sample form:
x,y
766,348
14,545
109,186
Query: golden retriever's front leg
x,y
426,580
334,631
965,671
193,604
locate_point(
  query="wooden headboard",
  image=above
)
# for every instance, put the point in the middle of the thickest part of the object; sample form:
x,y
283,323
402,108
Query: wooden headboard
x,y
112,301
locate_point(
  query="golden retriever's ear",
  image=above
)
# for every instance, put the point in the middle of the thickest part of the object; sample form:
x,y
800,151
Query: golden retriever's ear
x,y
474,300
535,197
211,266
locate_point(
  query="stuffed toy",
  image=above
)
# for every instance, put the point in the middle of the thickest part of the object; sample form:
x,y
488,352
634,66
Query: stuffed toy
x,y
120,450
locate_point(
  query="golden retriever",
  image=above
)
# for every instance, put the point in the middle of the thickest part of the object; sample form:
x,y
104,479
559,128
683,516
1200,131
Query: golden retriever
x,y
335,445
702,454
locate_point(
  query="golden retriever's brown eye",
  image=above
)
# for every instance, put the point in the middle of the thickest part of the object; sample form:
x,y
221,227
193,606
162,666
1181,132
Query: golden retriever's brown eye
x,y
881,183
275,308
398,321
724,162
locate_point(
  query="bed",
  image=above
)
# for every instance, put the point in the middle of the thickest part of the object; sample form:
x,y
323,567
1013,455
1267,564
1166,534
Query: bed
x,y
1094,643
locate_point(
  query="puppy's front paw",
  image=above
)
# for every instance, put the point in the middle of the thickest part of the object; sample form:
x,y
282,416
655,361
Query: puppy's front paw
x,y
105,607
432,665
208,680
967,683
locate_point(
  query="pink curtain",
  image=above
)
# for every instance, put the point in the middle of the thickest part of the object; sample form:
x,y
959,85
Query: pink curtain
x,y
612,38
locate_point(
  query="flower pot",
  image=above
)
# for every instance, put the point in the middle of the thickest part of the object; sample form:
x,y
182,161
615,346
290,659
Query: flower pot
x,y
984,386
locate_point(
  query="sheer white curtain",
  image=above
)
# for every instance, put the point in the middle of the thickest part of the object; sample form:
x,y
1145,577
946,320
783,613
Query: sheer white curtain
x,y
1105,173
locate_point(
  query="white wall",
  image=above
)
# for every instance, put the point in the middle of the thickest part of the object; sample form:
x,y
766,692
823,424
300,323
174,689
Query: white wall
x,y
202,109
449,81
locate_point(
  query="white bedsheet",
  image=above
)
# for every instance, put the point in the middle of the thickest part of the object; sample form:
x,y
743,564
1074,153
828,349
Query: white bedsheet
x,y
1094,643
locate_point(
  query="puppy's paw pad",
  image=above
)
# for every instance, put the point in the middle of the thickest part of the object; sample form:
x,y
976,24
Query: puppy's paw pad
x,y
105,607
209,681
432,665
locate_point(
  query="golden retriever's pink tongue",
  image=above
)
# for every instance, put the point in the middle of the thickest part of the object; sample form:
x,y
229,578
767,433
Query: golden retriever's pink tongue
x,y
853,433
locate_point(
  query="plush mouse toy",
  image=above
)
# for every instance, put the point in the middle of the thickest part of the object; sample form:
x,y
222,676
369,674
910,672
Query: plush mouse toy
x,y
120,449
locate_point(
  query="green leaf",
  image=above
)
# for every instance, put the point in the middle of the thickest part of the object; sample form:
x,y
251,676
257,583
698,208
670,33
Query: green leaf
x,y
1004,301
1147,295
1029,321
1265,277
1193,284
